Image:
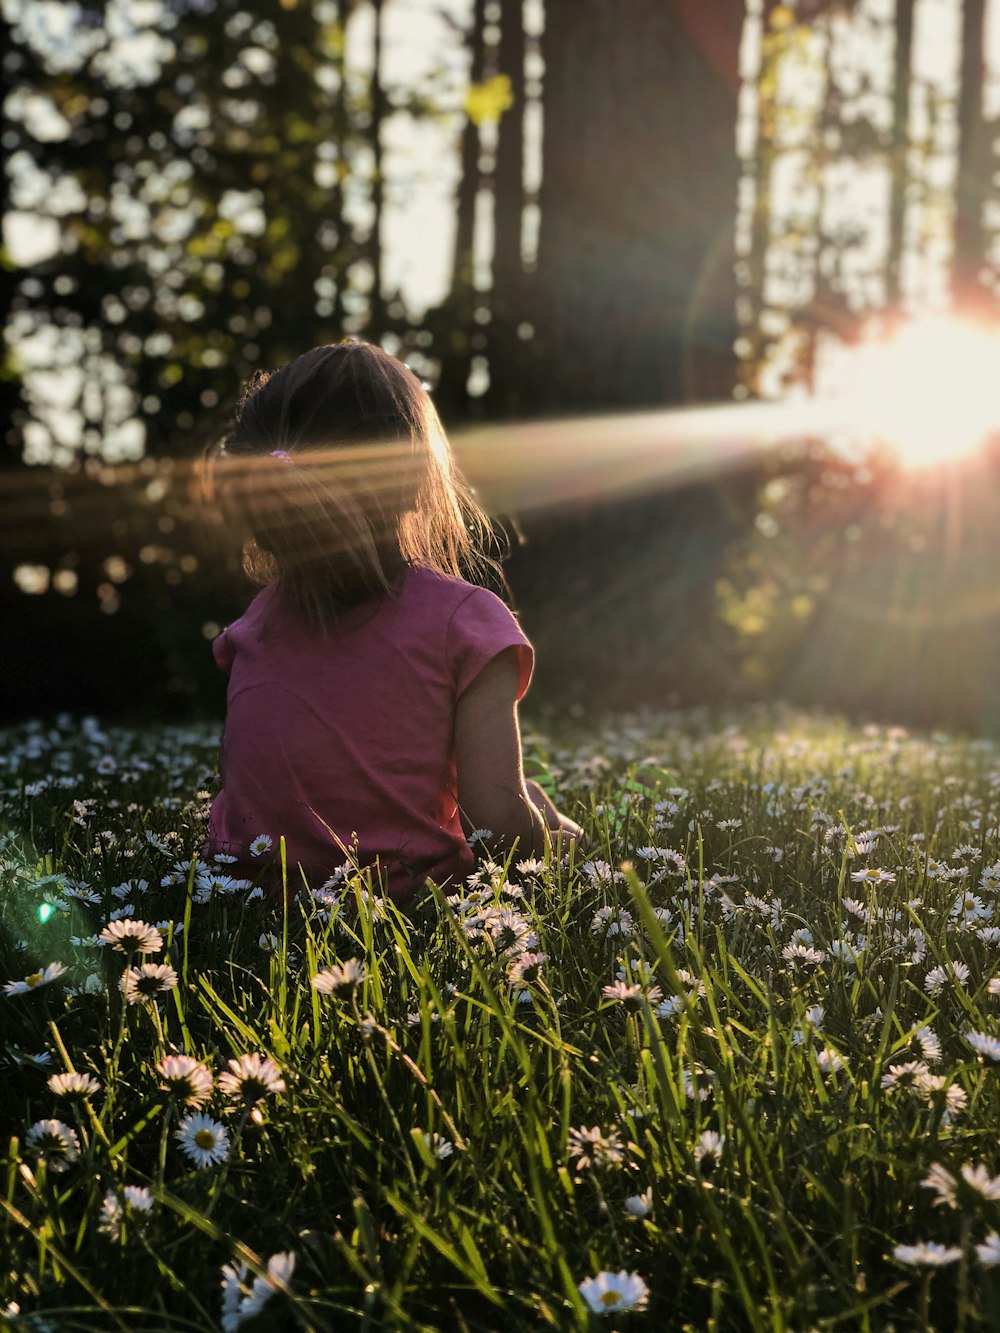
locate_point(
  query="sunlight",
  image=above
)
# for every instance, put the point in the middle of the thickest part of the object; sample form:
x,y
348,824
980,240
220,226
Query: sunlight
x,y
929,392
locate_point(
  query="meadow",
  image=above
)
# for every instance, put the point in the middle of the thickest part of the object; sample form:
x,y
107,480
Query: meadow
x,y
734,1067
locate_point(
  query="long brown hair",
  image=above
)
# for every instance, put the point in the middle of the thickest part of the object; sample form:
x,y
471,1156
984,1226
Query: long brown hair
x,y
337,474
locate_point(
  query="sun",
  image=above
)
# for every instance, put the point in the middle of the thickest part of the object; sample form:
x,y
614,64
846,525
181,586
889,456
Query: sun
x,y
930,392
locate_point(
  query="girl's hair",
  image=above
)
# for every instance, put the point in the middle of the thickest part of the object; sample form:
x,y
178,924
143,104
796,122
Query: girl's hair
x,y
337,473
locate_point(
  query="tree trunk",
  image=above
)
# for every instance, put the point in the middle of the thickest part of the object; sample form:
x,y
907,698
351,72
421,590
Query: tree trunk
x,y
902,66
454,347
508,296
973,166
376,304
635,292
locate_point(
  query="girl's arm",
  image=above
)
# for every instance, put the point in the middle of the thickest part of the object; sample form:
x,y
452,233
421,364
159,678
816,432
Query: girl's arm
x,y
492,792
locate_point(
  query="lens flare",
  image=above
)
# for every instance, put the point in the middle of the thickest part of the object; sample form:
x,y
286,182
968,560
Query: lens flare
x,y
929,392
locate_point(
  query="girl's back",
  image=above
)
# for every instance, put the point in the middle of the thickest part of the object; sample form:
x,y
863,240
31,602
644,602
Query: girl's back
x,y
345,744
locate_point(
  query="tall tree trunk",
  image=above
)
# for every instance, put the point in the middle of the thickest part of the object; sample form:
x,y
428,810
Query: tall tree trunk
x,y
901,75
376,304
973,165
454,348
635,293
508,296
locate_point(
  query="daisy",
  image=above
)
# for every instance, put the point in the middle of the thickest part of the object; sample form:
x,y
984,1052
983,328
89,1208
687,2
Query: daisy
x,y
710,1144
54,1143
592,1147
346,976
640,1205
830,1061
261,844
927,1254
802,953
203,1140
128,936
944,1185
989,1250
37,979
993,986
240,1302
439,1146
251,1077
142,984
74,1085
614,1293
929,1043
980,1180
938,977
984,1045
906,1075
135,1203
873,877
527,968
630,996
186,1079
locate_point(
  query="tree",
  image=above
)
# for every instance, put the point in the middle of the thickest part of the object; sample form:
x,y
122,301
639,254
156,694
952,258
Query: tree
x,y
974,169
633,299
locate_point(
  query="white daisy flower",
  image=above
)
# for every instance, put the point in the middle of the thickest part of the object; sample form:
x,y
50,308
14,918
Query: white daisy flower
x,y
710,1144
873,877
802,953
527,968
640,1205
36,980
129,936
439,1146
186,1078
54,1143
261,844
830,1061
251,1077
144,983
929,1043
614,1293
631,996
985,1045
74,1085
906,1075
927,1254
341,977
938,977
943,1183
593,1147
241,1302
131,1206
979,1179
989,1250
203,1140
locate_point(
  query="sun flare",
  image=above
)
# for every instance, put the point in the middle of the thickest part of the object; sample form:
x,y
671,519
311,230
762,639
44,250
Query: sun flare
x,y
930,392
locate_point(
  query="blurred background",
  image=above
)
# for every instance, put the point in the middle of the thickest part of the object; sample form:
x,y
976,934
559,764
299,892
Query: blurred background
x,y
706,293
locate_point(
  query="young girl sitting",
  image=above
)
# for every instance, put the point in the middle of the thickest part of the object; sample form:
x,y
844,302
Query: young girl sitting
x,y
372,702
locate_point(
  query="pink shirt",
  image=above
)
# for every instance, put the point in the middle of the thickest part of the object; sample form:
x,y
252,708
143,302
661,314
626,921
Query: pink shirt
x,y
356,732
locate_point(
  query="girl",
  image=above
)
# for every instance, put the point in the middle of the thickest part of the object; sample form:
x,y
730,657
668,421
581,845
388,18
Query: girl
x,y
372,702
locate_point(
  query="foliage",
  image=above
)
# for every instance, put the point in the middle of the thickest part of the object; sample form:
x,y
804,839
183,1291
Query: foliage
x,y
790,1076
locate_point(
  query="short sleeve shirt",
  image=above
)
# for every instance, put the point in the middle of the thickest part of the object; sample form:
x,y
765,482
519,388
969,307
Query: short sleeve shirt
x,y
345,745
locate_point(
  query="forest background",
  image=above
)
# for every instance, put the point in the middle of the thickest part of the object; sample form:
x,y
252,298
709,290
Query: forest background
x,y
605,235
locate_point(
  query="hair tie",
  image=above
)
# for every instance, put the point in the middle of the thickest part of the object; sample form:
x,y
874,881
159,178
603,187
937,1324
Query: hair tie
x,y
280,453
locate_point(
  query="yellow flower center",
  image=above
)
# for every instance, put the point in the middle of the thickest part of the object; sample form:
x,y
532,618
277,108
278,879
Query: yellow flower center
x,y
204,1138
610,1297
35,979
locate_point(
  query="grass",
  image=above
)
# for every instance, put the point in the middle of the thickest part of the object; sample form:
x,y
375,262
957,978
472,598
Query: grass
x,y
730,1075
